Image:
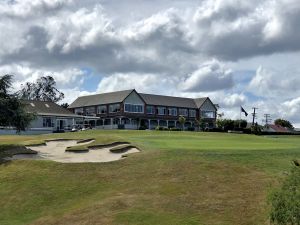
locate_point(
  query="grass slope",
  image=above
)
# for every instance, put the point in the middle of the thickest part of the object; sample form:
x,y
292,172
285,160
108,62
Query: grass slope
x,y
178,178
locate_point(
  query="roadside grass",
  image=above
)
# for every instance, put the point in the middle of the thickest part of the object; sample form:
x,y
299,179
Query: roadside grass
x,y
177,178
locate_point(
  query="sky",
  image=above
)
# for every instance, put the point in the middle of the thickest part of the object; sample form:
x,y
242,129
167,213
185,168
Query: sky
x,y
238,53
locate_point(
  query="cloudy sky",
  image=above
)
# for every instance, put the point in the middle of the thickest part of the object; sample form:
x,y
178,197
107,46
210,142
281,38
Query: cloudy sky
x,y
236,52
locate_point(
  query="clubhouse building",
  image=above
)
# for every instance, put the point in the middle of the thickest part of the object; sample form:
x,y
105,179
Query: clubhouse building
x,y
129,109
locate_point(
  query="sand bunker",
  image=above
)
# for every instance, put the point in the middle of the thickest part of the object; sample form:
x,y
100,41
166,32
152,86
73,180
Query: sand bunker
x,y
55,151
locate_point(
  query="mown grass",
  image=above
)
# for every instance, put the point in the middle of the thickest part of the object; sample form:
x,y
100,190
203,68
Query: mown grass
x,y
177,178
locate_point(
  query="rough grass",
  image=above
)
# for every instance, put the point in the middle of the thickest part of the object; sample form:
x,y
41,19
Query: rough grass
x,y
178,178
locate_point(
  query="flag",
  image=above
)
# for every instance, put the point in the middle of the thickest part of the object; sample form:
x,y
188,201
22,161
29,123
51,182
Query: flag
x,y
244,111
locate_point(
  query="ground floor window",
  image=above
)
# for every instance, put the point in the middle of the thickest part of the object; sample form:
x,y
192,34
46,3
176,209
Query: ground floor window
x,y
48,122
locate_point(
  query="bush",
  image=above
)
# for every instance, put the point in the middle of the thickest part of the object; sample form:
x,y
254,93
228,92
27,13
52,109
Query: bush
x,y
256,129
285,202
142,128
121,126
161,128
191,128
175,129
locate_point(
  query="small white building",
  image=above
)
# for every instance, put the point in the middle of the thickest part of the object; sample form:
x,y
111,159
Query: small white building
x,y
50,117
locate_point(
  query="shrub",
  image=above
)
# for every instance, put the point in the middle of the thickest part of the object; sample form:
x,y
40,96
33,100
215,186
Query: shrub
x,y
175,129
285,202
161,128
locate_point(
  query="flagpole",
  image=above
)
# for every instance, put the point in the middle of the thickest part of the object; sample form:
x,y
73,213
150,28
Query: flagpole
x,y
240,117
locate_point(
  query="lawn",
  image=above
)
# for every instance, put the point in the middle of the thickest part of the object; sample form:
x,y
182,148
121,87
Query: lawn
x,y
178,178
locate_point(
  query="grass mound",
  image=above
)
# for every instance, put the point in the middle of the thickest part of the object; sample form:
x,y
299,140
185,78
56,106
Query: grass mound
x,y
121,148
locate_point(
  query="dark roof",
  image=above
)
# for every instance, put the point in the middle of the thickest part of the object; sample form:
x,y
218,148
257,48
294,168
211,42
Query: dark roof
x,y
100,99
46,108
149,99
199,101
168,101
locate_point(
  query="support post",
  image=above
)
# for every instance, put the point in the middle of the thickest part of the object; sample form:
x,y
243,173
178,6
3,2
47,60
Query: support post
x,y
149,124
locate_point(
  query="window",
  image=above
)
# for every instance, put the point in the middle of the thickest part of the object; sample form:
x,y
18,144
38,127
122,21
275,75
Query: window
x,y
183,112
79,111
150,109
133,108
207,114
102,109
90,110
192,113
114,108
161,110
172,111
48,122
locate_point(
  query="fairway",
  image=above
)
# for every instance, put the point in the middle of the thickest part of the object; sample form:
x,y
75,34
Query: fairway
x,y
178,178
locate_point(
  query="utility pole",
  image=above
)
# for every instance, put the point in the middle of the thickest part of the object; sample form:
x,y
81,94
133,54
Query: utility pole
x,y
254,115
267,119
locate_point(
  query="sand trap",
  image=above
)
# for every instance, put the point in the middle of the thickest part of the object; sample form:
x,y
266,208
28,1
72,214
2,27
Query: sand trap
x,y
55,151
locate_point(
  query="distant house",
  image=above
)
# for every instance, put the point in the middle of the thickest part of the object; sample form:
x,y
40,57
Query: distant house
x,y
130,110
276,128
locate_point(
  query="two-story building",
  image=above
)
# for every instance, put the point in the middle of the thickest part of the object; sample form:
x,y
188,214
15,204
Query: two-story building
x,y
129,109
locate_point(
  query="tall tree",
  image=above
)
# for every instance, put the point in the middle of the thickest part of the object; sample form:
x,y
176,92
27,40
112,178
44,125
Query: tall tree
x,y
12,110
44,89
284,123
182,120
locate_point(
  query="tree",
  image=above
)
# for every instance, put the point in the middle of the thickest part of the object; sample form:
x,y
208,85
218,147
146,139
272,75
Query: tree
x,y
240,124
64,105
182,120
285,201
12,112
200,123
43,89
225,124
283,123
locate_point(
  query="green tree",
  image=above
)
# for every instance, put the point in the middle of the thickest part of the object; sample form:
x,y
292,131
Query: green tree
x,y
284,123
12,112
44,89
182,120
285,201
240,124
225,124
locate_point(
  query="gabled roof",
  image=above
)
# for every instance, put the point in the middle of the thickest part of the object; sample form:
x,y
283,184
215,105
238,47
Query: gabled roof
x,y
101,99
46,108
200,101
168,101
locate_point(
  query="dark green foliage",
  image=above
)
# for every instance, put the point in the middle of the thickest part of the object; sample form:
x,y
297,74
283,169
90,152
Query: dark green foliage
x,y
225,124
286,201
12,111
283,123
240,124
256,129
43,89
64,105
182,120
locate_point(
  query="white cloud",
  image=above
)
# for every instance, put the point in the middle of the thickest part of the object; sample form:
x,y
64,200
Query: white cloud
x,y
210,76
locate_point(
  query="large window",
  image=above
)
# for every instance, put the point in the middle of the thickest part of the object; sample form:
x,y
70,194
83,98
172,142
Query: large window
x,y
183,112
134,108
161,110
114,108
172,111
150,109
192,113
207,114
102,109
48,122
79,111
90,110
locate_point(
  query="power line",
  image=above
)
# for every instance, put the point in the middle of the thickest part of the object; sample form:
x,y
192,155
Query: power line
x,y
267,118
254,115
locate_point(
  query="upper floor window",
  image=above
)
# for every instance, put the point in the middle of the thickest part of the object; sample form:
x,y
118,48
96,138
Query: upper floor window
x,y
161,110
150,109
134,108
183,112
79,111
172,111
192,113
90,110
102,109
48,122
207,114
114,108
